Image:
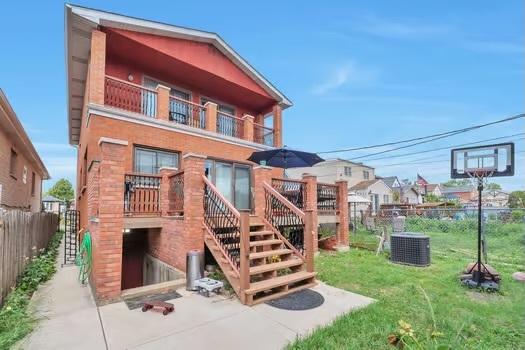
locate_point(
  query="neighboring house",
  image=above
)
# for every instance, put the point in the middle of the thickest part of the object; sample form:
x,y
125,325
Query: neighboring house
x,y
492,198
53,205
375,190
164,119
22,170
409,194
391,181
463,194
434,189
333,170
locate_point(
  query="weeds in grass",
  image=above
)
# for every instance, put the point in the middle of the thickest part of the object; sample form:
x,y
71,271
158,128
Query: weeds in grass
x,y
15,322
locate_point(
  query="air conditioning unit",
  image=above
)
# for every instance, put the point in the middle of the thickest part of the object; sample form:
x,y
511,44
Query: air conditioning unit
x,y
410,248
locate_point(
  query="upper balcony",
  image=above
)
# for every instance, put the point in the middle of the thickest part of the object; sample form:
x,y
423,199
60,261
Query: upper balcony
x,y
158,103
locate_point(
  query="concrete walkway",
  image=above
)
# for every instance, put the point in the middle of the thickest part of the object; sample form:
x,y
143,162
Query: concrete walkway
x,y
70,320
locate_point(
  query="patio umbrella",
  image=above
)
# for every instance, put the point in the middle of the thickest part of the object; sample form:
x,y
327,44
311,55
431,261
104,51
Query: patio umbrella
x,y
285,158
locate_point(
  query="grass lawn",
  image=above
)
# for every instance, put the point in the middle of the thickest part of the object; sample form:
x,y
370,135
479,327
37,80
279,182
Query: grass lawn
x,y
466,319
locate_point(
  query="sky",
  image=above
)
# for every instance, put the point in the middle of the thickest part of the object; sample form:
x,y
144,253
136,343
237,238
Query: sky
x,y
359,73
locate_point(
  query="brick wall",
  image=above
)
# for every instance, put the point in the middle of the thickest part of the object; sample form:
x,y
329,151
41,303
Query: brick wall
x,y
15,193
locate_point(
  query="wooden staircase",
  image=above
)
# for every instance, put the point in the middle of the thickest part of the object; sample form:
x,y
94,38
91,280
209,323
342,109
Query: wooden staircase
x,y
274,269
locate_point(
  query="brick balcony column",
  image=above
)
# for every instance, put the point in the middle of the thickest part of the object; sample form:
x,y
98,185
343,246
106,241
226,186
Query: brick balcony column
x,y
163,102
164,189
193,165
248,127
93,185
211,116
277,126
311,204
261,174
97,67
342,213
107,241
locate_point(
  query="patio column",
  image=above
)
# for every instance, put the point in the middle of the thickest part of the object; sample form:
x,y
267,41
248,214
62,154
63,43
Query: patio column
x,y
93,189
164,189
107,241
342,213
163,102
248,127
261,174
97,68
277,126
311,205
211,116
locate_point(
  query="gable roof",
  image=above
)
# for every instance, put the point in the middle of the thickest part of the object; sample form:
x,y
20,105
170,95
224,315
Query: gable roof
x,y
412,188
14,129
390,180
363,185
432,187
81,20
49,198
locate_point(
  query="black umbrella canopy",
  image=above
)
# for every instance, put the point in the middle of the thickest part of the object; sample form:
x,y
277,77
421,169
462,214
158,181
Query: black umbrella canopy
x,y
285,158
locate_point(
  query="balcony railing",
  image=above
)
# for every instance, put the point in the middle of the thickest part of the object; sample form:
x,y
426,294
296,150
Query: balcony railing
x,y
293,190
229,125
139,99
187,113
131,97
176,194
142,195
327,202
263,134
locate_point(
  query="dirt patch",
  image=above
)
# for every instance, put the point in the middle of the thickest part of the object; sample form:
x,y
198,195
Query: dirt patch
x,y
483,297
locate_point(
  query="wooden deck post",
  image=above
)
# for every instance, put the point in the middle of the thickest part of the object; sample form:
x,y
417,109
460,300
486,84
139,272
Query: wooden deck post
x,y
244,270
311,203
309,240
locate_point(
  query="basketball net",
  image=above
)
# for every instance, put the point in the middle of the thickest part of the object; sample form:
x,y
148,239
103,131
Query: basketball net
x,y
480,176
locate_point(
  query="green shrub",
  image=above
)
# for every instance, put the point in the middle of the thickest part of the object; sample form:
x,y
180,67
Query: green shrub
x,y
517,216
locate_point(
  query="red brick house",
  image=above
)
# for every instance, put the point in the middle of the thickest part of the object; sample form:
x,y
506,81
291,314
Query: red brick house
x,y
22,170
164,118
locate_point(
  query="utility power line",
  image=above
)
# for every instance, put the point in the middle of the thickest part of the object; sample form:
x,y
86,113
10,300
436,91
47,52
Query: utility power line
x,y
434,136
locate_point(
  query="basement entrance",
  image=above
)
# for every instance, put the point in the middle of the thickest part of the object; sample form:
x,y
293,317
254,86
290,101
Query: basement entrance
x,y
140,267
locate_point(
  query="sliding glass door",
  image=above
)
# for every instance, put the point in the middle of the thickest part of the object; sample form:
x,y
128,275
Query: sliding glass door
x,y
232,180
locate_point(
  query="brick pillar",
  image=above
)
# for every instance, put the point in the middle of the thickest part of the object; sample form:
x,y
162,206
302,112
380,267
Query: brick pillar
x,y
342,213
311,204
260,174
193,235
97,67
211,116
163,102
107,241
277,126
248,127
164,189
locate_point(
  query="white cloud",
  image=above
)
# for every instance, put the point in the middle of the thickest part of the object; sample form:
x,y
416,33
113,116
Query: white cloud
x,y
348,73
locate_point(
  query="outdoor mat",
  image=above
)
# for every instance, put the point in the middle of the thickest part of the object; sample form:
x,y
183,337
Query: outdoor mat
x,y
138,302
302,300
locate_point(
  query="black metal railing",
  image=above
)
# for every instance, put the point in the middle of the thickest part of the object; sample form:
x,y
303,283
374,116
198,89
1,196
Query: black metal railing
x,y
224,223
287,221
187,113
229,125
142,194
293,190
327,198
176,194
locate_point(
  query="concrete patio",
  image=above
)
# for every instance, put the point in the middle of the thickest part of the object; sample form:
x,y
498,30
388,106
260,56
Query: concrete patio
x,y
70,319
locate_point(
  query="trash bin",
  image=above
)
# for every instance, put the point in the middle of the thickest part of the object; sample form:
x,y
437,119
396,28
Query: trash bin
x,y
194,268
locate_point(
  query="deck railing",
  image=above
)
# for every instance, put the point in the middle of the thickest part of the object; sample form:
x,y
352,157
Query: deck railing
x,y
142,195
130,97
223,221
187,113
293,190
229,125
263,134
327,202
176,193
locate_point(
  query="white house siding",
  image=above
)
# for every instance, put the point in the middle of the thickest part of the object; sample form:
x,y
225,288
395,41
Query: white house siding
x,y
378,193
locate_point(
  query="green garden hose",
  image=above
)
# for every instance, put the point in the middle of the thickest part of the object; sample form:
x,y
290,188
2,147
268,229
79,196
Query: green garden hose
x,y
84,258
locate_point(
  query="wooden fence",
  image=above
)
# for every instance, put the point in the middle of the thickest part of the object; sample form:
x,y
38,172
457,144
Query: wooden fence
x,y
22,235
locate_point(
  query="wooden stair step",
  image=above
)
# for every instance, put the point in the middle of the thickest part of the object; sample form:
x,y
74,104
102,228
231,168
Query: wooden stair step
x,y
261,233
265,242
283,293
279,281
269,253
254,270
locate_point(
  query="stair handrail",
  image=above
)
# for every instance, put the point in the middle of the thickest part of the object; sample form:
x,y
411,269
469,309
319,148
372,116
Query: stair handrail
x,y
296,211
235,223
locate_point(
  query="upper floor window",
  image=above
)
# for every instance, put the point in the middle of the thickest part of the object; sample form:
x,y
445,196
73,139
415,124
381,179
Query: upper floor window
x,y
366,174
13,162
348,171
149,161
386,198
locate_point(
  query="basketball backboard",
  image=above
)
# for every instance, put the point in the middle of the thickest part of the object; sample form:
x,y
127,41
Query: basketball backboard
x,y
482,161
